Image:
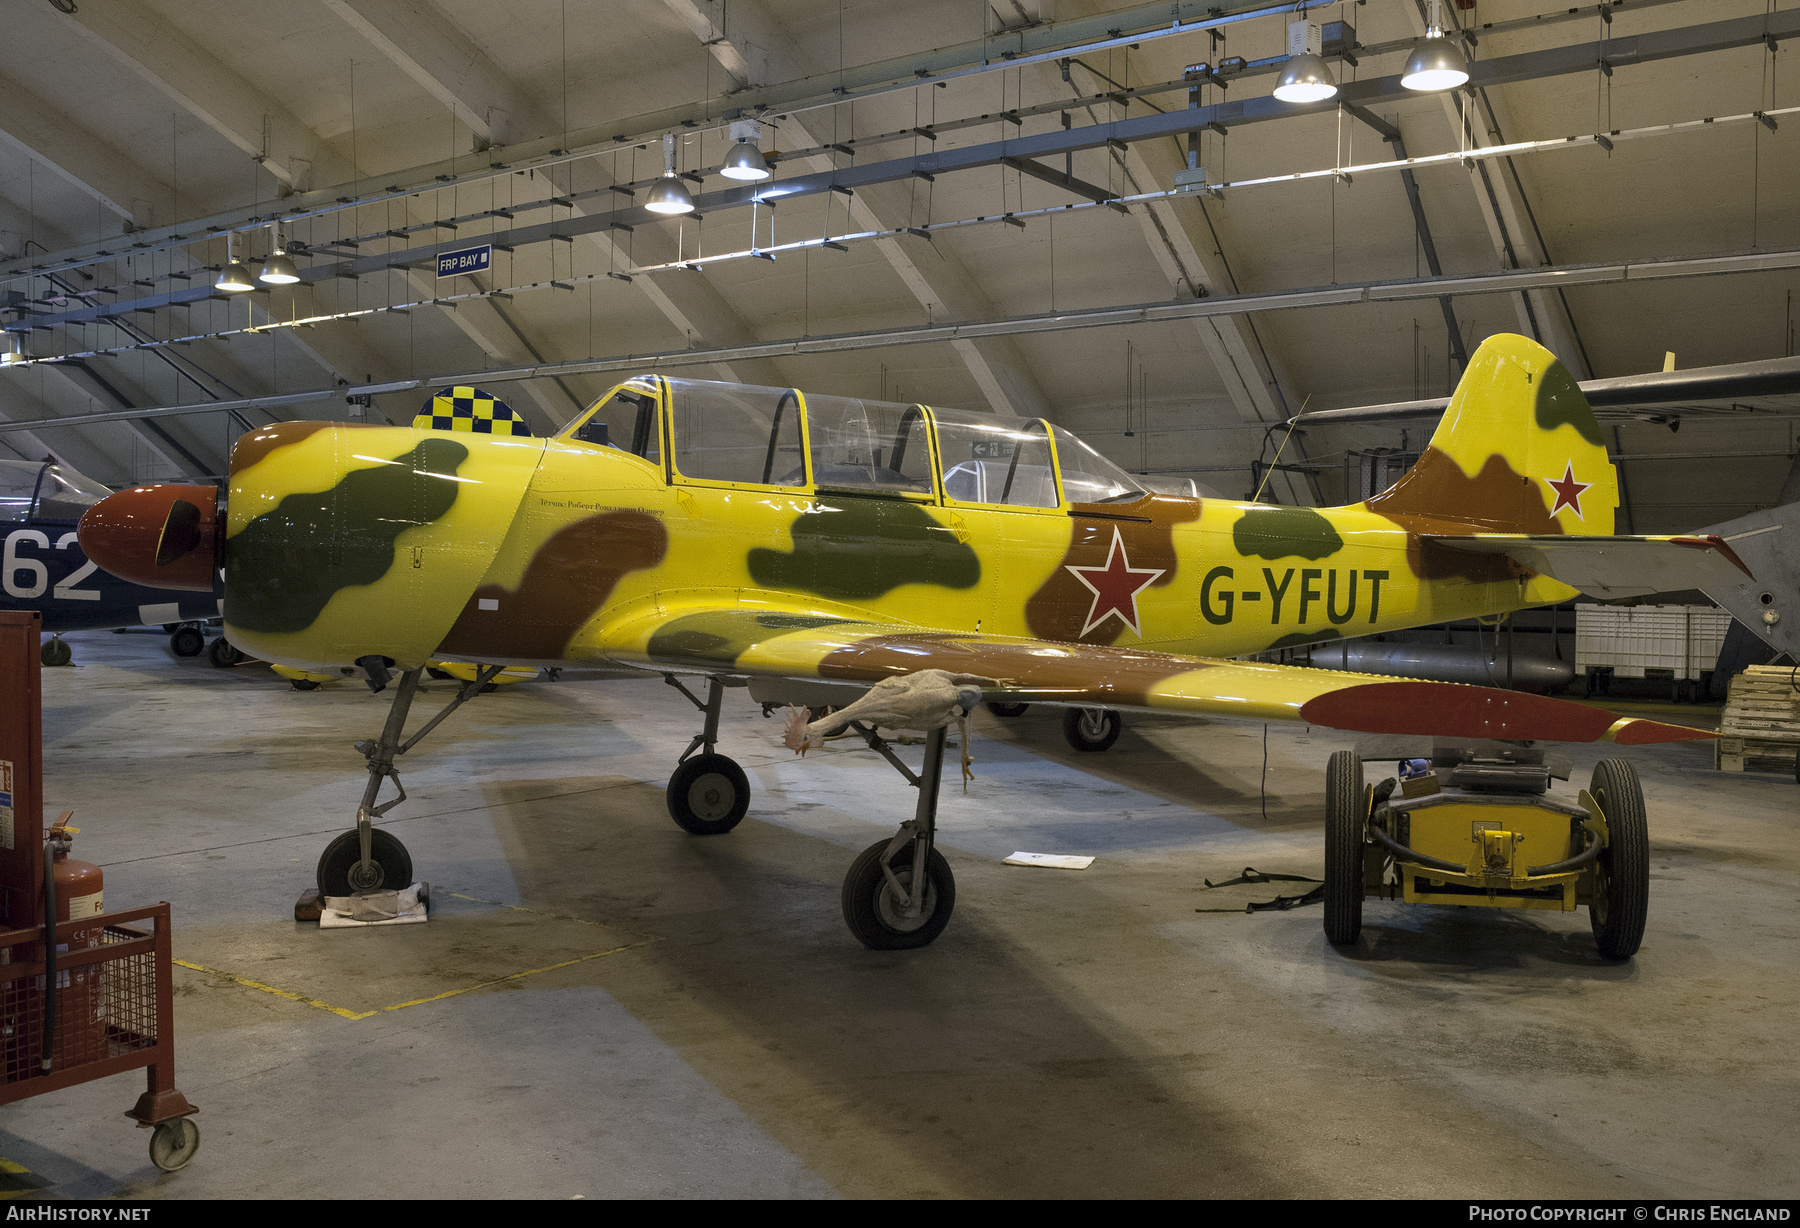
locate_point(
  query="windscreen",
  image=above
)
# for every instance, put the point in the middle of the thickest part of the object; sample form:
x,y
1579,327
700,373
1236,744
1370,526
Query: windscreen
x,y
1089,477
64,494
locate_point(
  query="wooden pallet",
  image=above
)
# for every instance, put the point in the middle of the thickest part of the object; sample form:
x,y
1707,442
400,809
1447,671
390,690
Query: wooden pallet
x,y
1761,720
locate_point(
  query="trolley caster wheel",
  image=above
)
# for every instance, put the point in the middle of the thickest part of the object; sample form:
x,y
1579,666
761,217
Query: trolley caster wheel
x,y
1346,808
1620,900
876,914
303,684
1092,729
1008,710
391,864
187,642
174,1143
55,652
708,795
224,654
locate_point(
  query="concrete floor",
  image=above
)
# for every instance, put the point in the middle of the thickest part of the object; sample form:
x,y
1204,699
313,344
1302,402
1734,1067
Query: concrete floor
x,y
1113,1032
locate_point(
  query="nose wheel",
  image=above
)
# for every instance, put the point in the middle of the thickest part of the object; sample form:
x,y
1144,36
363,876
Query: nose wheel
x,y
708,795
888,904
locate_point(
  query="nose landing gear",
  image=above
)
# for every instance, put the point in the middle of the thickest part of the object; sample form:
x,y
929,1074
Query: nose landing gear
x,y
709,793
367,858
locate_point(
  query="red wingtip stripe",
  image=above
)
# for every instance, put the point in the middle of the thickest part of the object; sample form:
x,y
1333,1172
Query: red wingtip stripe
x,y
1450,710
1713,542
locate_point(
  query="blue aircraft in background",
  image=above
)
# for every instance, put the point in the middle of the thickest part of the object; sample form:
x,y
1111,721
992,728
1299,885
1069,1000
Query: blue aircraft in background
x,y
43,568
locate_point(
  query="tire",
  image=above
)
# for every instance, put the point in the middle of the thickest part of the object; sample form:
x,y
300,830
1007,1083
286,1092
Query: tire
x,y
1621,897
392,861
872,912
303,684
708,795
1089,732
173,1144
55,652
442,675
223,654
1008,710
187,642
1345,811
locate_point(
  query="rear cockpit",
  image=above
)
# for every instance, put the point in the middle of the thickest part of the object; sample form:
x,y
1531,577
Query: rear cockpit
x,y
45,491
706,433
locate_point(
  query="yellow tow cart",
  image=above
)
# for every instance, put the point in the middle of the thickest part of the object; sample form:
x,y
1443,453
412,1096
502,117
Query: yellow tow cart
x,y
1474,825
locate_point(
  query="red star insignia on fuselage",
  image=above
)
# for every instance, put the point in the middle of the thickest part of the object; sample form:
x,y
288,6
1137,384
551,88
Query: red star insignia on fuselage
x,y
1115,587
1568,491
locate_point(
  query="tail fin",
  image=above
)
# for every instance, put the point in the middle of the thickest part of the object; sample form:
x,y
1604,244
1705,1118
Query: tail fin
x,y
1517,451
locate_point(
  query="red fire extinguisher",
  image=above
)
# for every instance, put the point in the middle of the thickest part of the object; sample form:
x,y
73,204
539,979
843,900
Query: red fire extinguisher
x,y
77,1031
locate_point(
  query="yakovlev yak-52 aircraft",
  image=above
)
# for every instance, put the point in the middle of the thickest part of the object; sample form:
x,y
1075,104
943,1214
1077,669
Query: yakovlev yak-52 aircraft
x,y
741,533
44,569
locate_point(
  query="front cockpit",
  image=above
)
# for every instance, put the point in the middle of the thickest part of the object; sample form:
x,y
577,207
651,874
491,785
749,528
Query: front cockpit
x,y
706,433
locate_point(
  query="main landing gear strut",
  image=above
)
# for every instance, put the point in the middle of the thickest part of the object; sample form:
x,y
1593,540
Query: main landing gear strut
x,y
889,904
367,858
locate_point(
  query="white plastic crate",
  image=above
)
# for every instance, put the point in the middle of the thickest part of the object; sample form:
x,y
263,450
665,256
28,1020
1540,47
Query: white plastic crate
x,y
1681,641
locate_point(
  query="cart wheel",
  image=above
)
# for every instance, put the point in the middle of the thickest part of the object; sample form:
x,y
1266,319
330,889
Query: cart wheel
x,y
187,642
1621,895
1092,729
55,652
303,684
999,709
1346,808
174,1143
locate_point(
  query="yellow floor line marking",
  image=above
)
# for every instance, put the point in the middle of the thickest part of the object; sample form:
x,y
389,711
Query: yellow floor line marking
x,y
353,1016
501,980
279,993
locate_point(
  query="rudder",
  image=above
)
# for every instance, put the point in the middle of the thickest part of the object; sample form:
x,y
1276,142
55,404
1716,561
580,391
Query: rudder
x,y
1517,451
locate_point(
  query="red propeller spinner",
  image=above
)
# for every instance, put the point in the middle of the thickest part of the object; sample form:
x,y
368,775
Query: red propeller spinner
x,y
161,536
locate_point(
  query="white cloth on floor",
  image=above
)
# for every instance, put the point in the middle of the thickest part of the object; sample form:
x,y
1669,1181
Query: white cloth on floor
x,y
404,907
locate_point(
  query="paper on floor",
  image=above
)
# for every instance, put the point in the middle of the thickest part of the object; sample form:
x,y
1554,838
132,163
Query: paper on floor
x,y
378,908
1054,861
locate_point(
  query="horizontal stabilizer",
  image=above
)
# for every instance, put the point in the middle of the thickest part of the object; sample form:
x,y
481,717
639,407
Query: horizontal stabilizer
x,y
1612,567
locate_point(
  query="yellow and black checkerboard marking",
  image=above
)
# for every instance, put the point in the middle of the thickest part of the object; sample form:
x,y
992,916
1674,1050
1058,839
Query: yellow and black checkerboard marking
x,y
469,409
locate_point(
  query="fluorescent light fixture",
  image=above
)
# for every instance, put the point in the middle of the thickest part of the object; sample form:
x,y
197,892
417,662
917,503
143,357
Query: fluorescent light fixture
x,y
1437,63
1304,78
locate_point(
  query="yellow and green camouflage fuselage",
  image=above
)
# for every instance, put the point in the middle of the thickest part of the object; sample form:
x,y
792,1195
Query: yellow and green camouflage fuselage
x,y
346,541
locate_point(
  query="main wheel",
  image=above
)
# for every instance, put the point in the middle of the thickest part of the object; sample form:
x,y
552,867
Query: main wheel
x,y
708,795
391,870
55,652
173,1144
1007,710
187,642
1346,808
1621,896
1092,728
223,653
876,914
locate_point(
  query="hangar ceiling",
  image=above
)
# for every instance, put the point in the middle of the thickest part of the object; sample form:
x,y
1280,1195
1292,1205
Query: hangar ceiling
x,y
937,165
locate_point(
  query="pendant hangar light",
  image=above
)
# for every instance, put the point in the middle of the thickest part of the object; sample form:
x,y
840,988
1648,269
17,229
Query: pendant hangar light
x,y
1305,78
235,276
669,195
1437,63
278,270
745,161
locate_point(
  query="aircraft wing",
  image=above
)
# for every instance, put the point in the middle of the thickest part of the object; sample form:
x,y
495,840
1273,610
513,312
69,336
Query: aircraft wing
x,y
819,647
1613,566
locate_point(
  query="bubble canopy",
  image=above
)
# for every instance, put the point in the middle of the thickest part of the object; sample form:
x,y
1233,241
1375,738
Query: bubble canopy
x,y
708,432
